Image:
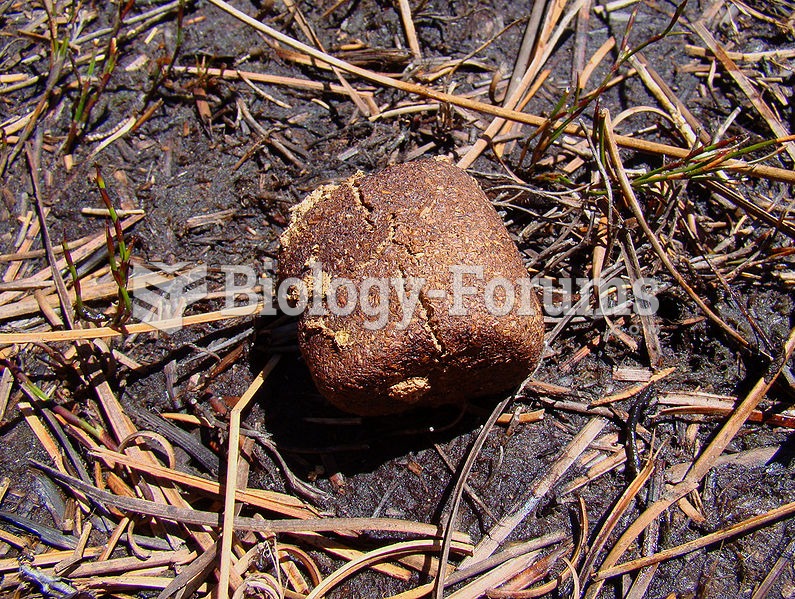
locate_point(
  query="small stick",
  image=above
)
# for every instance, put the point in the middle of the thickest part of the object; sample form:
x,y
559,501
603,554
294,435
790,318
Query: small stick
x,y
187,515
581,32
643,310
60,286
309,32
375,556
594,61
6,379
782,54
529,41
539,489
778,568
744,84
458,491
130,329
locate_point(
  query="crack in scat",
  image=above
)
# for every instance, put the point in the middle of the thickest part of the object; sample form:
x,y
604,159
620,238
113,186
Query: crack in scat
x,y
427,310
353,185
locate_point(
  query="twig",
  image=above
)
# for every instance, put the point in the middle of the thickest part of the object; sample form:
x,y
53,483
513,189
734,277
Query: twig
x,y
778,568
650,328
375,556
214,519
6,380
612,519
525,50
537,491
307,29
60,286
458,490
581,31
744,83
130,329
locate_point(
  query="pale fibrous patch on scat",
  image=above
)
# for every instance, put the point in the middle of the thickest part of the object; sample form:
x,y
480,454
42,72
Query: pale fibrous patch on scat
x,y
313,286
300,210
342,338
410,390
317,324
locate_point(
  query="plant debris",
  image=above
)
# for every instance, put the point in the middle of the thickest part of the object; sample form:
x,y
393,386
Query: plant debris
x,y
161,433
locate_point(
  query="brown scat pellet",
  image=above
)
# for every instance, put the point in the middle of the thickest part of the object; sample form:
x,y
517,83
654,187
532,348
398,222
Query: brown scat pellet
x,y
410,220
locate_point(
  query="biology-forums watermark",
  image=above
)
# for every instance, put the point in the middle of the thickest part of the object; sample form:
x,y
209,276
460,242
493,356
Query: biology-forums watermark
x,y
162,293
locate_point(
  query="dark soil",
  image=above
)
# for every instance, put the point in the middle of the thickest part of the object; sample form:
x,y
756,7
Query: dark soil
x,y
179,165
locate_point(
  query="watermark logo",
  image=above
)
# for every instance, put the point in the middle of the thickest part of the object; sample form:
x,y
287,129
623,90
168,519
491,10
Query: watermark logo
x,y
161,294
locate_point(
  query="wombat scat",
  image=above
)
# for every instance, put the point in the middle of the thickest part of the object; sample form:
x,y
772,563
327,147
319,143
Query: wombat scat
x,y
415,294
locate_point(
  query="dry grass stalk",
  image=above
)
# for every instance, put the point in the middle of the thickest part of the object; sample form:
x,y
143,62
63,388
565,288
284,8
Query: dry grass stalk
x,y
608,464
377,555
339,549
516,588
537,491
131,329
512,101
42,433
28,233
309,33
703,463
773,173
665,96
6,380
233,451
745,85
635,389
458,491
775,572
85,250
632,201
612,519
709,539
91,290
496,576
213,519
279,503
408,25
782,54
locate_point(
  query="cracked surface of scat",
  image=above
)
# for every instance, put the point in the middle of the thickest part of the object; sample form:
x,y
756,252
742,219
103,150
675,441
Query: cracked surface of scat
x,y
414,220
